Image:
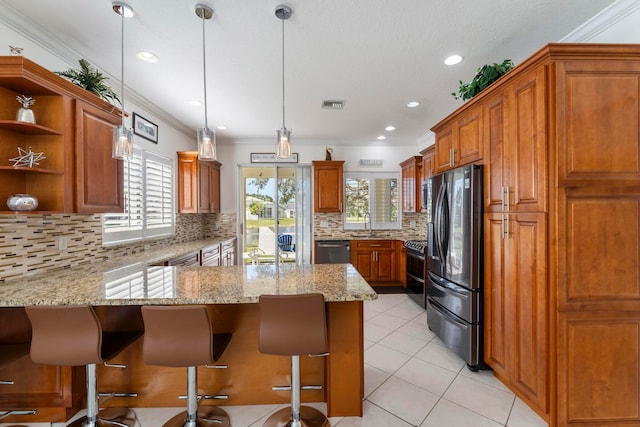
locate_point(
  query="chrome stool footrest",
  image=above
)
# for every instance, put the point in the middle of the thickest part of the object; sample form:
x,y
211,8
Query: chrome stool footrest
x,y
7,413
309,417
207,416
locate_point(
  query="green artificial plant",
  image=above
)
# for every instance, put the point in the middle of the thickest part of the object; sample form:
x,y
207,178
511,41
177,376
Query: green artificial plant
x,y
485,75
90,79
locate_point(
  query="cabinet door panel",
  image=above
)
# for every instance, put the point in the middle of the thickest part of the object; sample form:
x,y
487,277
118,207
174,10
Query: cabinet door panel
x,y
99,177
527,177
444,145
187,186
328,186
363,262
527,306
598,354
469,144
204,199
496,173
496,339
385,266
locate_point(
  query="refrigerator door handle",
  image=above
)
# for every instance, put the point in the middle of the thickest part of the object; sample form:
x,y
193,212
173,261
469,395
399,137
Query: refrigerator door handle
x,y
438,222
451,318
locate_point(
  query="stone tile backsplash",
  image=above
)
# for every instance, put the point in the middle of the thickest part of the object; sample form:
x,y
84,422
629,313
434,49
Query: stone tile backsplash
x,y
414,227
29,243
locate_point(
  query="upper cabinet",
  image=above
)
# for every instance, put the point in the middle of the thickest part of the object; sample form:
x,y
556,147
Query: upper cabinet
x,y
328,185
428,155
198,184
411,184
458,140
73,129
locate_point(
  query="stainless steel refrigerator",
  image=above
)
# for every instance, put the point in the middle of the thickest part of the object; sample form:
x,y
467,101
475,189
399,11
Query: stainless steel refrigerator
x,y
454,261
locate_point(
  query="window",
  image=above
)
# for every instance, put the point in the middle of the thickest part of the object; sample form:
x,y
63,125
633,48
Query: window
x,y
372,200
148,189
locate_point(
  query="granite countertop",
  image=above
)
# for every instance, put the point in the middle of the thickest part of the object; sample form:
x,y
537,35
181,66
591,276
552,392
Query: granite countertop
x,y
139,284
119,281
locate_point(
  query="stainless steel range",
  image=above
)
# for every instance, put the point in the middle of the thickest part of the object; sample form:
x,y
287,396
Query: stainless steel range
x,y
416,270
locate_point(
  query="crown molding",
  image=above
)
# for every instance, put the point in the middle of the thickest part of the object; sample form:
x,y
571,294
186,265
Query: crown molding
x,y
603,20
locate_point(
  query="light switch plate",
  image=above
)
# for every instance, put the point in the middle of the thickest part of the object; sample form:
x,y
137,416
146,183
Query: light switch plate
x,y
324,224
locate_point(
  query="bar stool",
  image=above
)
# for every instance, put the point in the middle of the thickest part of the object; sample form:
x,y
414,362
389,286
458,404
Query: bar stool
x,y
76,336
14,345
291,325
182,336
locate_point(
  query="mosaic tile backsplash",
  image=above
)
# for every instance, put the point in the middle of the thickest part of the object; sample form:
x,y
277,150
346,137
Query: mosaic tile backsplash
x,y
414,227
29,243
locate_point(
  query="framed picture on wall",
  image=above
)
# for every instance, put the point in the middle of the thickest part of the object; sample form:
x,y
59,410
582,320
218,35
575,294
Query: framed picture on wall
x,y
145,128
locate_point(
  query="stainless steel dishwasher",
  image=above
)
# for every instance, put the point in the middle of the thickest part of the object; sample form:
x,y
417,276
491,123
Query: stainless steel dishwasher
x,y
333,251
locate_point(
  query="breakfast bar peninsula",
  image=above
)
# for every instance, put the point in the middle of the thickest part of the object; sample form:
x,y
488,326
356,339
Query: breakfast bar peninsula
x,y
231,294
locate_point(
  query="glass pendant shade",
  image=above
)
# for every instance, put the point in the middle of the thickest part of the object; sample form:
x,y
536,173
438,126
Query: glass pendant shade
x,y
206,144
283,145
122,143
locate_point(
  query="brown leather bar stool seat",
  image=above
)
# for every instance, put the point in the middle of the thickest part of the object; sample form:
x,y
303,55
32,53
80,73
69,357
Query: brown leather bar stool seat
x,y
293,325
183,336
82,335
14,345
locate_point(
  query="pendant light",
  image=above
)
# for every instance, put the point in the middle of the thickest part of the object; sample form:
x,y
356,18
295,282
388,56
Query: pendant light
x,y
122,137
283,143
206,136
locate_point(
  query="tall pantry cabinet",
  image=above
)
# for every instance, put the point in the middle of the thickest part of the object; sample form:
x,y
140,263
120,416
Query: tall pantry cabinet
x,y
561,141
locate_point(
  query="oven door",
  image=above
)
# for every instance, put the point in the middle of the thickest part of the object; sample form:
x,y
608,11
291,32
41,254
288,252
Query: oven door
x,y
416,288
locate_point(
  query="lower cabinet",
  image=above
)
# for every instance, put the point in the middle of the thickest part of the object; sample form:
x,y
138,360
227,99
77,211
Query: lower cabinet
x,y
55,392
515,304
228,252
185,260
375,260
210,256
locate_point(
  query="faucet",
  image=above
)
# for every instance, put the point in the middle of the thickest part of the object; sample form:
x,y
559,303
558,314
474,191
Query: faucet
x,y
365,218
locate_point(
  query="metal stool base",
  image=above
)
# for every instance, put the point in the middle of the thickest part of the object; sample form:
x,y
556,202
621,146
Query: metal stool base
x,y
206,417
309,417
109,417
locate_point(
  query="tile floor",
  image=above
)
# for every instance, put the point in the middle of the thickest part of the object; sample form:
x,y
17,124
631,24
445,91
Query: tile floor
x,y
411,379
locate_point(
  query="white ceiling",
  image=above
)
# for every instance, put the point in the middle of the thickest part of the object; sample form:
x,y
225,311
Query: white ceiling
x,y
376,55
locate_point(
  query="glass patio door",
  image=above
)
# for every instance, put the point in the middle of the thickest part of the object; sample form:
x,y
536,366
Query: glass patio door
x,y
275,214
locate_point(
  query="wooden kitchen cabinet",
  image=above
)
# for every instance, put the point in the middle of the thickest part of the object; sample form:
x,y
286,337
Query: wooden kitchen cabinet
x,y
562,230
187,260
55,392
73,130
94,164
198,184
375,260
229,252
516,303
459,140
210,256
411,184
328,185
516,142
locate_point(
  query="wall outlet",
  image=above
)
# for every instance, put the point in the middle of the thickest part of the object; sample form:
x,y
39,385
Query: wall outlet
x,y
216,226
412,224
147,246
62,243
324,224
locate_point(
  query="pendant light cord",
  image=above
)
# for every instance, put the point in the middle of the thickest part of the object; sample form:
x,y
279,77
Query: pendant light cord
x,y
283,126
122,12
204,67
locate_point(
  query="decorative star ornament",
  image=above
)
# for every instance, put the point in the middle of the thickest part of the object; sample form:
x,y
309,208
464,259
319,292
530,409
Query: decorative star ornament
x,y
27,158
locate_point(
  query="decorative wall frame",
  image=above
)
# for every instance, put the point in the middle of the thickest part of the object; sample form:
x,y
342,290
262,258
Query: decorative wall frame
x,y
271,158
145,128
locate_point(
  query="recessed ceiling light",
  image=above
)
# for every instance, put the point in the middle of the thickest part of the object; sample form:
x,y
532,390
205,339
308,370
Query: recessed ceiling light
x,y
148,57
381,137
390,128
195,103
453,60
413,104
221,128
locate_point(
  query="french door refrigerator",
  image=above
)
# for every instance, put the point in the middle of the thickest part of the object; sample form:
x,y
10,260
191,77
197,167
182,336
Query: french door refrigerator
x,y
454,262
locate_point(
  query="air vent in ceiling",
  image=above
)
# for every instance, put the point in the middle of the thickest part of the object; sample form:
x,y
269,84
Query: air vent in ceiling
x,y
333,104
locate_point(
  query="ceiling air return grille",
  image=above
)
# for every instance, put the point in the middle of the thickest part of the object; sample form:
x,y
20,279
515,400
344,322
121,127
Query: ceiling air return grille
x,y
332,104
